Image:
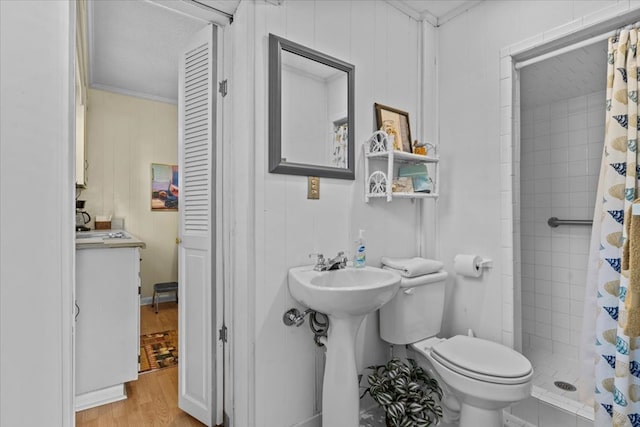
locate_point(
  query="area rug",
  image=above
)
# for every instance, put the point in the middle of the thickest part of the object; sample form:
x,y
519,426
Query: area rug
x,y
158,350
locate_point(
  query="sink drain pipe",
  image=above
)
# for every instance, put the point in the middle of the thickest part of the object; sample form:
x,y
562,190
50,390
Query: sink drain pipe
x,y
318,323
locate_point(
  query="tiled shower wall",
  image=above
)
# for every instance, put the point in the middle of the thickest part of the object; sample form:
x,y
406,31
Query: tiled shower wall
x,y
561,150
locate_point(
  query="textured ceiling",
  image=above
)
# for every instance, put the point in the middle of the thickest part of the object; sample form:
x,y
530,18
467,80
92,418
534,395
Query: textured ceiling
x,y
572,74
134,45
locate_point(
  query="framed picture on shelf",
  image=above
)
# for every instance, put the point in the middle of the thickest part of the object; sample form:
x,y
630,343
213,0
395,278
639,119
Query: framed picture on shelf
x,y
396,124
164,187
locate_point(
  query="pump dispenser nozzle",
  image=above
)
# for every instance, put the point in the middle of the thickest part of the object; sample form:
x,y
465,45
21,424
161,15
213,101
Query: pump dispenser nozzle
x,y
361,253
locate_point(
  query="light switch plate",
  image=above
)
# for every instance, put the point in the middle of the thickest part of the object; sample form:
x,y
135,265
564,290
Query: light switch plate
x,y
313,188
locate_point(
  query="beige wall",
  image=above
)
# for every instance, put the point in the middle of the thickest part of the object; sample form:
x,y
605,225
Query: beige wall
x,y
124,136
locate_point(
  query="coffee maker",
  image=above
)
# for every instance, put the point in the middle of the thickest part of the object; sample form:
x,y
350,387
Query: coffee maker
x,y
82,217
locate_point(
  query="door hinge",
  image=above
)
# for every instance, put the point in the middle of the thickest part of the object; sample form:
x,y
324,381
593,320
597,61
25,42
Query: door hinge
x,y
222,333
222,88
139,290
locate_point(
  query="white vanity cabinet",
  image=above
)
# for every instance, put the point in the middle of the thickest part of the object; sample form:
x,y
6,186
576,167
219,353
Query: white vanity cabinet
x,y
107,323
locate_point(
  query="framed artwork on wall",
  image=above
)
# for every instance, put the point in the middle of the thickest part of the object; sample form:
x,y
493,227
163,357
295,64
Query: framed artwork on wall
x,y
396,124
164,187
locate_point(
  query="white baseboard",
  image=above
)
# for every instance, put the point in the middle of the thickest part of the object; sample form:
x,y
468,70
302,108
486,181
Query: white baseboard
x,y
370,417
315,421
511,420
162,298
103,396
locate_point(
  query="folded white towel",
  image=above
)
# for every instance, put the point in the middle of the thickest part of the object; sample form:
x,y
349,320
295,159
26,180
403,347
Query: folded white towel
x,y
412,282
412,267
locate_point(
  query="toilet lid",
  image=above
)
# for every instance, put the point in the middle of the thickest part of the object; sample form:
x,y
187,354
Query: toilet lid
x,y
483,360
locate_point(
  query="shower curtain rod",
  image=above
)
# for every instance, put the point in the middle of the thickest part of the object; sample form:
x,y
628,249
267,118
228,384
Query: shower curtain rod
x,y
570,48
574,46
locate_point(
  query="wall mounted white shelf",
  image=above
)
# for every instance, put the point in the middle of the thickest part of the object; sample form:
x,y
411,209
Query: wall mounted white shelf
x,y
378,183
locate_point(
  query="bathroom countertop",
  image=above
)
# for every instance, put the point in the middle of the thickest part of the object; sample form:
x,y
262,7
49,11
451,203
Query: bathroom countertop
x,y
103,239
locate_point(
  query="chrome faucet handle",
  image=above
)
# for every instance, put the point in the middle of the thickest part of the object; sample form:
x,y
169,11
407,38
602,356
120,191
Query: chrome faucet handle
x,y
341,256
321,262
339,262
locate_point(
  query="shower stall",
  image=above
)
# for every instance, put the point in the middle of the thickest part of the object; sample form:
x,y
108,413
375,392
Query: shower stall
x,y
562,116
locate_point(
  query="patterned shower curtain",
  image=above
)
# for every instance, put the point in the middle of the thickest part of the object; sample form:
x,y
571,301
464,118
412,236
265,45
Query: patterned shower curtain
x,y
617,355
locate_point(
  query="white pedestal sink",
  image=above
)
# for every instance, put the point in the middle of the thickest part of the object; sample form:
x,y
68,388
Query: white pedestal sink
x,y
346,296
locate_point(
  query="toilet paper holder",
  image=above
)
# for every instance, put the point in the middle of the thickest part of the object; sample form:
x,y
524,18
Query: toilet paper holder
x,y
485,263
469,265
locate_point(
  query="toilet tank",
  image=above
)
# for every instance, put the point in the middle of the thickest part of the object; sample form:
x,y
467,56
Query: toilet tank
x,y
415,313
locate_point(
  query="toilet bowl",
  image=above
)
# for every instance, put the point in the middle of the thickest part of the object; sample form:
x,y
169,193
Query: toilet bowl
x,y
484,377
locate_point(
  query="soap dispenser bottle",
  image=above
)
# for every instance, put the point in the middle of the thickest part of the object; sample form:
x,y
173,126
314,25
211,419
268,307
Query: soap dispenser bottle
x,y
361,253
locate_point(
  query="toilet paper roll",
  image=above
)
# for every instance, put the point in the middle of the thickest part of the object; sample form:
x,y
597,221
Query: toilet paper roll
x,y
467,265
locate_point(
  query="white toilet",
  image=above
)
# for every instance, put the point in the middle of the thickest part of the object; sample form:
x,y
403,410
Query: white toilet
x,y
485,377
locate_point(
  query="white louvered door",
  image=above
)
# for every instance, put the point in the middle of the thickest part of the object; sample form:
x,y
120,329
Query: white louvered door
x,y
200,352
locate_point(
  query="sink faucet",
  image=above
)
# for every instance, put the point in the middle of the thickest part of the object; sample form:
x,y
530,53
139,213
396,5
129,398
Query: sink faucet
x,y
337,263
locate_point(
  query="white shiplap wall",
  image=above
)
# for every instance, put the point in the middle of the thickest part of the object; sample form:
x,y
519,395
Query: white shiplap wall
x,y
36,213
383,44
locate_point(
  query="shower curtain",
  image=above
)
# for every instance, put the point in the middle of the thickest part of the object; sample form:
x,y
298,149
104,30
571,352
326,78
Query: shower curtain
x,y
616,355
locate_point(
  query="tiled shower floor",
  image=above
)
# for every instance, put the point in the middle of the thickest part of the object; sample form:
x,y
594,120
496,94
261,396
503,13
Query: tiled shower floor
x,y
549,368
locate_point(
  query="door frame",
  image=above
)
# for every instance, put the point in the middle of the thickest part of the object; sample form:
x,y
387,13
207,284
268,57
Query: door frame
x,y
222,241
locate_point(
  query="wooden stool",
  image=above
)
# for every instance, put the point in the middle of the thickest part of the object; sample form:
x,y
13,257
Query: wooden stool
x,y
160,288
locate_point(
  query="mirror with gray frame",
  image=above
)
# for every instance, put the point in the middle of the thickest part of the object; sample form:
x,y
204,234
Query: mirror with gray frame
x,y
311,103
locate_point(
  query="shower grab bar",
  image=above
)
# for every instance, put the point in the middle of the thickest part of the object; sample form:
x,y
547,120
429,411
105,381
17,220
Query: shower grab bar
x,y
554,222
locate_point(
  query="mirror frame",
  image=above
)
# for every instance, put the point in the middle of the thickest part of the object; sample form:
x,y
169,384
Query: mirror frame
x,y
276,165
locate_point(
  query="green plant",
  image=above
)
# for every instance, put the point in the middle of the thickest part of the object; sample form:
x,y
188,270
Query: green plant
x,y
406,393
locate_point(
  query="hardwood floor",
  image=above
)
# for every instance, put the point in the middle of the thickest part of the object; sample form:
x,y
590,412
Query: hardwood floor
x,y
166,319
153,399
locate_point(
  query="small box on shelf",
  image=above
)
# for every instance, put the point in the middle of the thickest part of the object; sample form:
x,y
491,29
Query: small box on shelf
x,y
103,225
419,175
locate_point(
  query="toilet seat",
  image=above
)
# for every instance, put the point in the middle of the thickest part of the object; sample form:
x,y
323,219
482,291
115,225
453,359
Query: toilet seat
x,y
482,360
